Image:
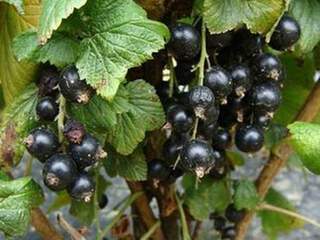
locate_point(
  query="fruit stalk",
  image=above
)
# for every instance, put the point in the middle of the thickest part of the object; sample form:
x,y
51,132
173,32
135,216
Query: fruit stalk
x,y
280,156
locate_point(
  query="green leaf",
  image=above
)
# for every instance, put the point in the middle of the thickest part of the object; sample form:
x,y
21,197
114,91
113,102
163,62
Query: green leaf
x,y
60,50
306,141
120,37
259,16
245,195
132,167
17,3
274,223
15,76
17,197
145,114
236,158
307,14
210,196
53,11
62,199
274,135
17,119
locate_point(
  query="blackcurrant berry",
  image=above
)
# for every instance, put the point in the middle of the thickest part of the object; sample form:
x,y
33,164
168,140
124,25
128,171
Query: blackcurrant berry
x,y
241,79
103,201
207,130
285,34
158,169
249,138
211,115
180,117
197,156
59,171
218,173
82,188
87,152
48,81
247,44
72,87
228,233
184,73
74,131
42,143
234,215
218,41
262,119
200,99
265,97
172,147
185,42
174,175
221,139
219,81
47,109
162,90
267,67
219,223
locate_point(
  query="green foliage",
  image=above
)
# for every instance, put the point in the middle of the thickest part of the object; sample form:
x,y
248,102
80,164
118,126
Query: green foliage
x,y
274,135
245,195
259,16
53,11
17,3
235,157
306,142
17,198
209,196
274,223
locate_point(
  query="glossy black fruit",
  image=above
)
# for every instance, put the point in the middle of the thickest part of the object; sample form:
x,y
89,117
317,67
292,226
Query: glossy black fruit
x,y
247,44
172,147
72,87
234,215
48,81
228,233
85,153
265,97
200,99
219,223
267,67
42,143
82,188
197,156
221,139
211,115
174,175
241,79
162,89
47,109
286,33
59,171
207,129
219,81
185,42
249,138
184,73
262,119
158,169
74,131
218,41
103,201
218,173
180,117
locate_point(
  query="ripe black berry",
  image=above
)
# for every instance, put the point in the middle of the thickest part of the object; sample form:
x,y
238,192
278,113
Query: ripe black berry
x,y
184,73
265,97
82,188
87,152
174,175
221,139
249,138
219,81
218,173
286,33
219,223
42,143
72,87
267,67
241,79
200,99
172,147
47,109
197,156
180,117
247,44
207,130
262,119
74,131
103,201
162,89
218,41
158,169
48,81
211,115
234,215
59,171
229,233
185,42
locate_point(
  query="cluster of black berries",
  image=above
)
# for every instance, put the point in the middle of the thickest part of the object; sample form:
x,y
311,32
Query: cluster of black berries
x,y
64,171
240,91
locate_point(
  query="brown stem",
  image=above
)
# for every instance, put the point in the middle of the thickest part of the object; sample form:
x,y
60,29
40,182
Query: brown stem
x,y
43,226
280,156
154,8
144,211
69,229
196,230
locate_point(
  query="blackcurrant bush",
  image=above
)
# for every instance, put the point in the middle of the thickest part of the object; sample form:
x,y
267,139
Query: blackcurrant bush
x,y
184,73
103,201
82,188
197,156
285,34
172,147
72,87
267,67
185,42
59,171
47,109
180,117
221,139
234,215
200,99
74,131
241,79
219,81
219,223
158,169
265,97
228,233
42,143
249,138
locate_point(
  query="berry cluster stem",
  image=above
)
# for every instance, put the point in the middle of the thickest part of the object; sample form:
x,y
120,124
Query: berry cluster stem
x,y
172,76
62,109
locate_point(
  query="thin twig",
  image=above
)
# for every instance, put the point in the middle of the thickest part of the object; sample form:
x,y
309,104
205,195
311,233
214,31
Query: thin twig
x,y
150,232
62,109
172,76
196,230
69,229
185,229
29,160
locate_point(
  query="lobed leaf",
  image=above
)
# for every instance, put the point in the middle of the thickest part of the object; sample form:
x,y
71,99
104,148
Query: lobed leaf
x,y
245,195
